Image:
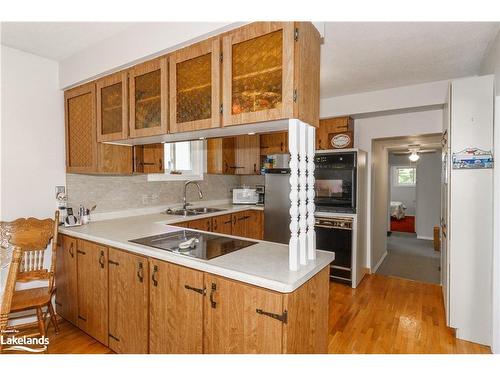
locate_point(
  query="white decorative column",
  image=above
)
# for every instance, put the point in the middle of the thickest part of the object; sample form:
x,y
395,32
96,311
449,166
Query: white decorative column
x,y
311,234
293,248
301,144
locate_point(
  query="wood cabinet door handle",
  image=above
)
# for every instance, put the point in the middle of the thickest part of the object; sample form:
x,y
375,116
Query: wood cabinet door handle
x,y
101,259
215,224
154,276
140,272
197,290
213,288
81,252
71,252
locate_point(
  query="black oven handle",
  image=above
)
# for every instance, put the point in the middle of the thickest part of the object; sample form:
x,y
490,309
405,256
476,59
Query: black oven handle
x,y
330,227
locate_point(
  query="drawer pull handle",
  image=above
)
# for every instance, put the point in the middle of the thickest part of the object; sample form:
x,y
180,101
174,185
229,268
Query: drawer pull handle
x,y
113,262
281,317
197,290
82,318
81,252
212,291
113,337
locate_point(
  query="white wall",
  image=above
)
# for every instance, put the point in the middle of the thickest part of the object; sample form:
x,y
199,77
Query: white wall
x,y
491,65
32,137
33,158
397,125
405,194
428,195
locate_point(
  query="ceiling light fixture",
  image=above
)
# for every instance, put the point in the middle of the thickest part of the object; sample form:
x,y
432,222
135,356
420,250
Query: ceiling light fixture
x,y
414,156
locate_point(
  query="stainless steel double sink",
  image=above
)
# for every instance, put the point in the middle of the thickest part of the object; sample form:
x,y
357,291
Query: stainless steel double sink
x,y
193,211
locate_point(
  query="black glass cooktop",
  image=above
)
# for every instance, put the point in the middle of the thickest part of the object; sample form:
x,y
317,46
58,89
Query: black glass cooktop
x,y
194,244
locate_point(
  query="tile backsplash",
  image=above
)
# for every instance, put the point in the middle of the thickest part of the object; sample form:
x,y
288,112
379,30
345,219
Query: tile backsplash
x,y
116,193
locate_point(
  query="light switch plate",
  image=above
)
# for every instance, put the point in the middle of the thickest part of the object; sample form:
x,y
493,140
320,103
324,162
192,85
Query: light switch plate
x,y
60,189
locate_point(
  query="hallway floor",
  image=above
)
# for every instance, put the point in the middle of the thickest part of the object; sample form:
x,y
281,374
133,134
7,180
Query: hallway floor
x,y
411,258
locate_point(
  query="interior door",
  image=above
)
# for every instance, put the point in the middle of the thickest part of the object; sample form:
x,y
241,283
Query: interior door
x,y
128,302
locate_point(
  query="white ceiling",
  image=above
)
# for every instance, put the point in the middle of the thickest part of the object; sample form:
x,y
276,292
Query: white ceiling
x,y
58,40
355,57
367,56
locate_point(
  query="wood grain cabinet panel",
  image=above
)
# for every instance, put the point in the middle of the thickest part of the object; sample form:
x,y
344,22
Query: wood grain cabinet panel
x,y
201,224
148,104
92,264
332,125
254,224
194,81
221,156
247,154
81,142
176,309
112,107
149,158
232,323
128,302
66,279
274,143
222,224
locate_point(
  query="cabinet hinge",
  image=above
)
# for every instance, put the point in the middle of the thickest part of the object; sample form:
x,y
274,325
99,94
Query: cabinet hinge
x,y
282,318
296,34
221,108
295,95
221,57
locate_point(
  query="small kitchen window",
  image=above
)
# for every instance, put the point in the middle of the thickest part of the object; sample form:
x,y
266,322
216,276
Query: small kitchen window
x,y
404,176
182,161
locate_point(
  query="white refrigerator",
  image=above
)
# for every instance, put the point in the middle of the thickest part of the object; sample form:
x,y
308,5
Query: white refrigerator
x,y
467,209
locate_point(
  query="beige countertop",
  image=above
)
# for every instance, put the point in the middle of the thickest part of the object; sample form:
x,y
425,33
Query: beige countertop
x,y
264,264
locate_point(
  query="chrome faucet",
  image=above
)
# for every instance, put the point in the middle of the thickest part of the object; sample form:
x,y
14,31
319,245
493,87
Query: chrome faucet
x,y
200,194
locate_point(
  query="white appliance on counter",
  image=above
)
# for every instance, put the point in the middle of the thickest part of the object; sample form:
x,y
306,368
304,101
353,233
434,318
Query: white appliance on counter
x,y
245,195
467,209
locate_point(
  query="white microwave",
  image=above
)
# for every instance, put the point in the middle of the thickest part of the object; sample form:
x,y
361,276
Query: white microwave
x,y
245,196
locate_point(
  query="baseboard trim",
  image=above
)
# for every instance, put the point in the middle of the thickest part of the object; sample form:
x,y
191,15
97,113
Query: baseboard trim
x,y
425,238
379,263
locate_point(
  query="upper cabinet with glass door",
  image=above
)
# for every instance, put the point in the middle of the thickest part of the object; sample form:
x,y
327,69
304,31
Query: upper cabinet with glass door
x,y
267,67
194,78
112,108
148,98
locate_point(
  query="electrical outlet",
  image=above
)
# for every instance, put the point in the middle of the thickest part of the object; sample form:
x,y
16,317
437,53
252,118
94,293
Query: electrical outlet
x,y
60,189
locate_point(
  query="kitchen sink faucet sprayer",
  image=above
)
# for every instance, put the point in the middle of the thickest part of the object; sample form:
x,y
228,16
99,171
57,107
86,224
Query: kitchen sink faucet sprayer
x,y
200,194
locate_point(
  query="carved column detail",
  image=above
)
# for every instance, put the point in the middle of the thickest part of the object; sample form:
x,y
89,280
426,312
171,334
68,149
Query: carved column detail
x,y
293,141
311,233
303,192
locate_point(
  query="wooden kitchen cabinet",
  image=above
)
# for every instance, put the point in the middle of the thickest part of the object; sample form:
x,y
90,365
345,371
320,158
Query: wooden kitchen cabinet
x,y
271,72
149,158
332,125
221,155
201,224
194,81
66,279
148,98
92,271
254,224
235,319
247,154
176,309
274,143
112,107
128,302
222,224
81,142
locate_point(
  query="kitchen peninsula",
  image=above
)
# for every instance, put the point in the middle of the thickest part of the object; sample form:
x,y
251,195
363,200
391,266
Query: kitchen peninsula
x,y
139,299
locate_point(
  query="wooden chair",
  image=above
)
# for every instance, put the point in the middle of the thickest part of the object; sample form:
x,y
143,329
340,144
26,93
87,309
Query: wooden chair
x,y
8,291
33,237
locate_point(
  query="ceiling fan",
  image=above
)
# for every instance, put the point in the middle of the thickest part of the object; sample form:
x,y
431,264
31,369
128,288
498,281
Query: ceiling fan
x,y
414,152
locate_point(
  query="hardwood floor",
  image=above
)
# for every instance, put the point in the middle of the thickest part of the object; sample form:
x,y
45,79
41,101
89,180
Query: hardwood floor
x,y
391,315
383,315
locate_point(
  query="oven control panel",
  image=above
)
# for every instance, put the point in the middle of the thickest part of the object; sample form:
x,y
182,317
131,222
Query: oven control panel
x,y
335,223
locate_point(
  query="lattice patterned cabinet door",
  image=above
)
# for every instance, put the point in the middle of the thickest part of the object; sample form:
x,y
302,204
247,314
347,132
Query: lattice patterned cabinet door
x,y
194,87
80,129
148,90
112,111
258,79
